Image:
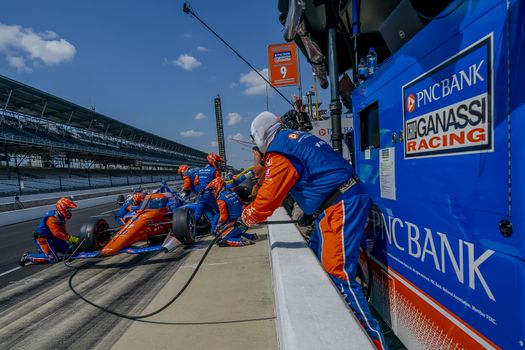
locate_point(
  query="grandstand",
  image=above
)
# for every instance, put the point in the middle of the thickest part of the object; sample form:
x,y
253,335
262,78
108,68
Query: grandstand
x,y
50,144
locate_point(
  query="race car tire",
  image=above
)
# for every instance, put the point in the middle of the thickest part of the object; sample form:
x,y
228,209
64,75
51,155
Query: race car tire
x,y
95,234
202,225
183,225
121,199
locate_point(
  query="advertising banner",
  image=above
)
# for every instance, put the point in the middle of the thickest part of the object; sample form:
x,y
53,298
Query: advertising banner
x,y
448,109
282,63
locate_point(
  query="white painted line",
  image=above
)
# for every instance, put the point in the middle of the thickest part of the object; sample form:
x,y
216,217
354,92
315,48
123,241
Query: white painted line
x,y
108,211
9,271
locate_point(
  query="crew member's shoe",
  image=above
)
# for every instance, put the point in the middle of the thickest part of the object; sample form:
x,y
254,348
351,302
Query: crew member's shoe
x,y
246,241
24,259
222,243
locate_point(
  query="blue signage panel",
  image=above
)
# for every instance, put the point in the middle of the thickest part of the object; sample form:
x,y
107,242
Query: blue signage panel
x,y
448,109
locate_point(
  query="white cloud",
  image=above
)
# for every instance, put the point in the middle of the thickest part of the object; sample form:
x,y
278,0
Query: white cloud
x,y
191,133
214,144
187,62
18,63
200,116
239,136
253,83
187,35
202,49
24,48
233,118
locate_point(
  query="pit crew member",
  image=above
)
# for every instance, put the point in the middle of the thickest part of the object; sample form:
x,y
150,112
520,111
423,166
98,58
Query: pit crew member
x,y
131,205
51,236
230,209
325,187
188,176
206,204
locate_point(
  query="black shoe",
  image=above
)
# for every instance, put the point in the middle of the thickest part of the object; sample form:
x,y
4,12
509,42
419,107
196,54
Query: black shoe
x,y
246,241
255,237
222,243
24,259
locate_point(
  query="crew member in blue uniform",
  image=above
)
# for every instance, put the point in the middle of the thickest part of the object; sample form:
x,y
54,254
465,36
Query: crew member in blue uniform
x,y
131,205
51,237
206,204
188,176
230,209
325,187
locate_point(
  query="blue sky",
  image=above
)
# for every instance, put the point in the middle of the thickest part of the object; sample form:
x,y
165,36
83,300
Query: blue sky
x,y
148,64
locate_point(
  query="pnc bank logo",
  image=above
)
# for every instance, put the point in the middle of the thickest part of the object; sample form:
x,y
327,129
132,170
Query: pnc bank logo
x,y
411,103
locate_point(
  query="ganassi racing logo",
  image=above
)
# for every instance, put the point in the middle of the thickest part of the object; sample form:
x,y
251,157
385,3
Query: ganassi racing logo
x,y
411,103
448,109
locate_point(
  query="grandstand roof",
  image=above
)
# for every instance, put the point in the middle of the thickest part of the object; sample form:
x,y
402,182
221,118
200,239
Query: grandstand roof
x,y
18,97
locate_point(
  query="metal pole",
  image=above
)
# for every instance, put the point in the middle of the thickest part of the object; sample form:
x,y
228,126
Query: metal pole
x,y
300,80
310,104
18,177
6,103
316,99
335,103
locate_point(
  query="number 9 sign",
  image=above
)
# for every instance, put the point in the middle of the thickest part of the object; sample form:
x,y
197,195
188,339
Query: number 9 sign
x,y
283,72
283,67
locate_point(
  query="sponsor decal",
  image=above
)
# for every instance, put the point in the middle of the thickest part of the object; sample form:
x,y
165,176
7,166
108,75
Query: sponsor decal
x,y
283,56
322,132
293,136
411,103
449,109
459,259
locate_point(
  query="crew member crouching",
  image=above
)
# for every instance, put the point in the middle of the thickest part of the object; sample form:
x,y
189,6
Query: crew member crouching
x,y
230,209
51,237
129,207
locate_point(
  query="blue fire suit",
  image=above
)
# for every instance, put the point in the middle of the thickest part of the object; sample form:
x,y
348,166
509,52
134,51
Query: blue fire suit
x,y
124,210
206,204
50,238
311,171
230,209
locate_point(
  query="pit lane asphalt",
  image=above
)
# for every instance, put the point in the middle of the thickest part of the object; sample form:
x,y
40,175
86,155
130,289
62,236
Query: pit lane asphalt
x,y
37,309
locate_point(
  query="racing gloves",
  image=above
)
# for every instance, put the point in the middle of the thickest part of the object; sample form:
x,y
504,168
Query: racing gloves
x,y
73,240
305,220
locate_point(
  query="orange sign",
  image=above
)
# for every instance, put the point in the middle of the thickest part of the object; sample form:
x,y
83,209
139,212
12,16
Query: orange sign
x,y
282,60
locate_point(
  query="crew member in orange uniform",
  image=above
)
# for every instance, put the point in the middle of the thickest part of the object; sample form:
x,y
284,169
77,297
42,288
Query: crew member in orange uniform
x,y
51,237
325,187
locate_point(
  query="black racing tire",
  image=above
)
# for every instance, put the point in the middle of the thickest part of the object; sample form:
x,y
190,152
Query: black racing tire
x,y
183,225
202,225
95,233
121,199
